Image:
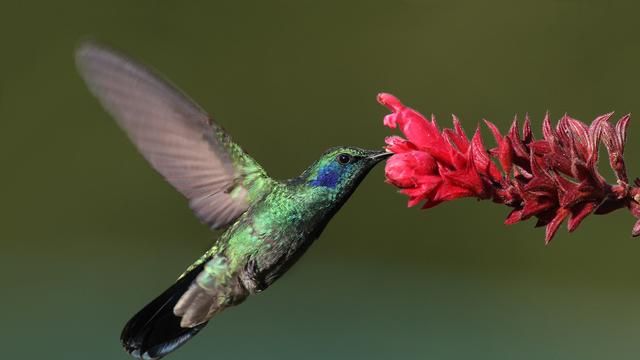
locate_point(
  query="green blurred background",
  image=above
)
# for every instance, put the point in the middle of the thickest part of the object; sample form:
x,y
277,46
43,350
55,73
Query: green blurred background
x,y
89,233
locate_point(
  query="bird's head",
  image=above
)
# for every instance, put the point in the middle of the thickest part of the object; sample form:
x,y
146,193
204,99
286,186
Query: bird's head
x,y
341,169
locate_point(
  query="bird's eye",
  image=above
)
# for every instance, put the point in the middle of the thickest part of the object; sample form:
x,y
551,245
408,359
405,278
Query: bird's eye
x,y
344,158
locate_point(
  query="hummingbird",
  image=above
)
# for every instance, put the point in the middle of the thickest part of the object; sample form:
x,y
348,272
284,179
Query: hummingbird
x,y
268,224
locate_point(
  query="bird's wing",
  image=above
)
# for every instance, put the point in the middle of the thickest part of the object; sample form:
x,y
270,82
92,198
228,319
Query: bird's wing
x,y
175,135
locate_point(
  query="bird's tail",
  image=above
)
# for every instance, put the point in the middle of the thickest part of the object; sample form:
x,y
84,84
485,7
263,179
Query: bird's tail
x,y
155,331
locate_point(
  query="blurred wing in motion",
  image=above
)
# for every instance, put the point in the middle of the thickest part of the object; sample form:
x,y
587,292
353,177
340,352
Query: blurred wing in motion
x,y
174,134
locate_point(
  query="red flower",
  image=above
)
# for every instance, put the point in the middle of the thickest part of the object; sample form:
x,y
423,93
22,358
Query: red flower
x,y
553,178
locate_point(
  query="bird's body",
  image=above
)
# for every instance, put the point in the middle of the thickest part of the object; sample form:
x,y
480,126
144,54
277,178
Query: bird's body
x,y
269,224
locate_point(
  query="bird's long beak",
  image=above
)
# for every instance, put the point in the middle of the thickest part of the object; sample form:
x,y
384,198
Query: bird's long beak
x,y
379,155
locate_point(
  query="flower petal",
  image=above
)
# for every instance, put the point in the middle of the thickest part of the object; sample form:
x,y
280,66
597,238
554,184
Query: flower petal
x,y
578,213
553,226
406,170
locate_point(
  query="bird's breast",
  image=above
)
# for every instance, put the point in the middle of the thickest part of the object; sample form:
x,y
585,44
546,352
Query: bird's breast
x,y
281,230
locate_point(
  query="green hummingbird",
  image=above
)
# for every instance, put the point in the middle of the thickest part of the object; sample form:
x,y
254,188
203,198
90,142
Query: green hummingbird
x,y
269,223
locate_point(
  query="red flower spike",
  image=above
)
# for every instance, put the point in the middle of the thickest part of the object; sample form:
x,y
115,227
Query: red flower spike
x,y
551,179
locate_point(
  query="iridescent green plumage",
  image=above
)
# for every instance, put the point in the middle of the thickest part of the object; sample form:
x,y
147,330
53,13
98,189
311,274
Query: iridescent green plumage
x,y
269,223
265,240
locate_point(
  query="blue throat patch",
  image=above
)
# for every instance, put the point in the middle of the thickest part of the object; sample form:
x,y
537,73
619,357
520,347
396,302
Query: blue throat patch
x,y
328,176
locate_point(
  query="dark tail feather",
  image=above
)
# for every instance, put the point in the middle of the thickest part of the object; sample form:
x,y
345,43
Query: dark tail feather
x,y
155,331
